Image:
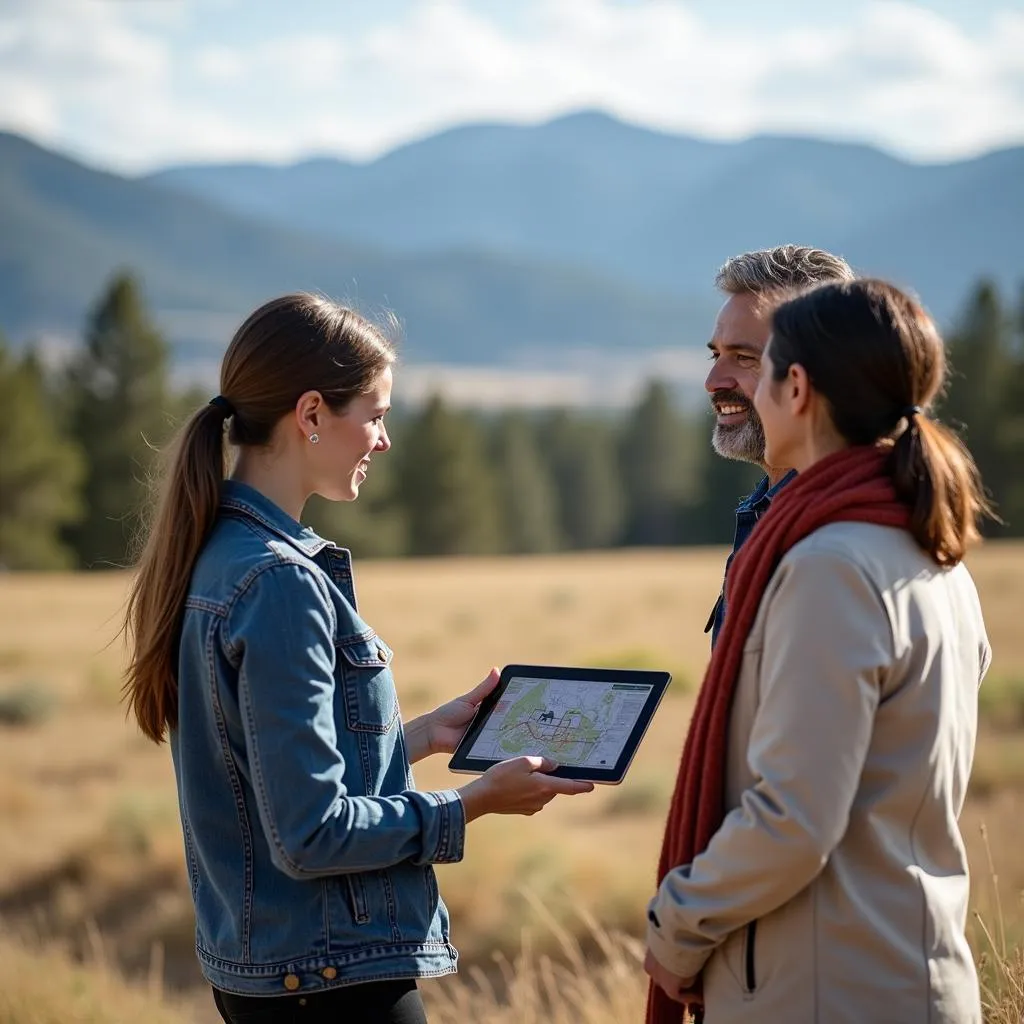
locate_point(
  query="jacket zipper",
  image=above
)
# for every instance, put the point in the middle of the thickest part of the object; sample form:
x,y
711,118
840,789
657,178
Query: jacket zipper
x,y
749,964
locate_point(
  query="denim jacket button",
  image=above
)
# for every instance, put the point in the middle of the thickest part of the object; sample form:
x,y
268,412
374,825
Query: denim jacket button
x,y
291,982
330,973
382,654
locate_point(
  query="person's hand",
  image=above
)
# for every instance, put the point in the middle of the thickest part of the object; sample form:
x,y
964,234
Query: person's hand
x,y
447,724
679,989
517,786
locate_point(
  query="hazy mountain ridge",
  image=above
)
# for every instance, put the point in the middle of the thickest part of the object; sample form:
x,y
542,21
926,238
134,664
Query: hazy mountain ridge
x,y
497,244
659,210
67,227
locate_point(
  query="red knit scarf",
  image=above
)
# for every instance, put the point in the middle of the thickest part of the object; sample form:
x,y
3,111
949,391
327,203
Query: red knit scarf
x,y
851,486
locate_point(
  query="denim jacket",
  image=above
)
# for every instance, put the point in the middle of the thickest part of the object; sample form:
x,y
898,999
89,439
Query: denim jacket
x,y
748,514
308,849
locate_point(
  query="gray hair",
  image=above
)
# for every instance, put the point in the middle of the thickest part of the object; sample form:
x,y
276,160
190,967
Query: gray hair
x,y
766,272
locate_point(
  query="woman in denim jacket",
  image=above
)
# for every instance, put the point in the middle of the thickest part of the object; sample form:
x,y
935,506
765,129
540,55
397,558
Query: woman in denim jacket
x,y
309,850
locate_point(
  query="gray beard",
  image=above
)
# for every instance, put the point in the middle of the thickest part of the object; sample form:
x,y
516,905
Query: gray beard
x,y
742,442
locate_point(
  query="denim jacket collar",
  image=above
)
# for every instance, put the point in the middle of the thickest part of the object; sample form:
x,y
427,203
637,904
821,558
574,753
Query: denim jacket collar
x,y
748,512
242,498
763,493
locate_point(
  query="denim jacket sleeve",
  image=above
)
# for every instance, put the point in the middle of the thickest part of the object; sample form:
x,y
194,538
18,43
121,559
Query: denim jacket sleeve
x,y
280,633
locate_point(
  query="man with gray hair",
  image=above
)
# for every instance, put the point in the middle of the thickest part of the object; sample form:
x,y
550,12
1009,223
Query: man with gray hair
x,y
754,284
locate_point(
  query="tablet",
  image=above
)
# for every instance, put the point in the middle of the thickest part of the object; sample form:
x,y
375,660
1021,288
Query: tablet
x,y
589,720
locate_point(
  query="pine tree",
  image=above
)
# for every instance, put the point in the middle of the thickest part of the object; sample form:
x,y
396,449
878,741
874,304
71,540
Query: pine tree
x,y
118,400
1011,428
656,468
40,471
446,484
526,491
582,456
981,357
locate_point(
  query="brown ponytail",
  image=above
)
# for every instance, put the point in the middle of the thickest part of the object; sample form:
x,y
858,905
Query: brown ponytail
x,y
184,516
288,346
875,355
935,474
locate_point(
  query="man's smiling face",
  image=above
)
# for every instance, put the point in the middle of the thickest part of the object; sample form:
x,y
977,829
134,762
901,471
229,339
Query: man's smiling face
x,y
741,332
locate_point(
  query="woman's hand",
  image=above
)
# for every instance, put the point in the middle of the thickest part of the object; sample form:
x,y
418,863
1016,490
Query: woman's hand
x,y
449,722
679,989
439,731
518,786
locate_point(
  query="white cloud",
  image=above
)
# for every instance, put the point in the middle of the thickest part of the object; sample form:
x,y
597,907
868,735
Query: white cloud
x,y
140,84
218,65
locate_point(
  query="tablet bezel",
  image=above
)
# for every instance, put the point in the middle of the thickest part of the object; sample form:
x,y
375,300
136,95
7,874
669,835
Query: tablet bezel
x,y
658,682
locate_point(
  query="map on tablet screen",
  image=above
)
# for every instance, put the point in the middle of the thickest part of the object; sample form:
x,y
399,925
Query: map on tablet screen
x,y
574,722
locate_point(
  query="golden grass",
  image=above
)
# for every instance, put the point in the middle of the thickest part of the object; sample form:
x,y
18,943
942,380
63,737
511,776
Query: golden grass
x,y
599,982
44,985
88,827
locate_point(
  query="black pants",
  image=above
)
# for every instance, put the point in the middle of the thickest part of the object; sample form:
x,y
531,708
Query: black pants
x,y
372,1002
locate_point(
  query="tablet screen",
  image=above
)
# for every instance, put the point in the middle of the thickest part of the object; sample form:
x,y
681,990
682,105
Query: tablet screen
x,y
574,722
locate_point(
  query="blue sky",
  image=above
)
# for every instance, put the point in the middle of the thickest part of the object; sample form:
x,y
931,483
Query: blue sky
x,y
137,84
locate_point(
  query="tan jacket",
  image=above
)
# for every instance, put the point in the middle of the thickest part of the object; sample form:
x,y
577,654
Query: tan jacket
x,y
836,890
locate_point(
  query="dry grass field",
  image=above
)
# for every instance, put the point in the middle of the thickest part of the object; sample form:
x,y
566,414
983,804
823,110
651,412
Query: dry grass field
x,y
92,887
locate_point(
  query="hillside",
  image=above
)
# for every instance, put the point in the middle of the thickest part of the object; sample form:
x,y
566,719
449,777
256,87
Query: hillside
x,y
66,227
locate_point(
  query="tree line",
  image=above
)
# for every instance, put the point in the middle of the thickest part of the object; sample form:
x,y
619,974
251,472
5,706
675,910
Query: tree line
x,y
79,445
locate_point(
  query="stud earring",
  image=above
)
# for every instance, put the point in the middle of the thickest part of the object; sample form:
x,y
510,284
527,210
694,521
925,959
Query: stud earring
x,y
314,438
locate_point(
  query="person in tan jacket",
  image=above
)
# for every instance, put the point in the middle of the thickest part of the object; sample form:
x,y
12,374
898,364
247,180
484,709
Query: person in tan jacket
x,y
813,870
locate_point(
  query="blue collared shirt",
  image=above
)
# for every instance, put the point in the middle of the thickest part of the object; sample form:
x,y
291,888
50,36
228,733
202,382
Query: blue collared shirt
x,y
748,512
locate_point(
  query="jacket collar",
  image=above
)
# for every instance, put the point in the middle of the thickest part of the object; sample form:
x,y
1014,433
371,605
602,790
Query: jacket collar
x,y
241,498
764,492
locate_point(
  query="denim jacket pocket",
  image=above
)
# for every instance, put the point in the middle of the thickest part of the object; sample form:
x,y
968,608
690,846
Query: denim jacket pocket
x,y
357,899
371,703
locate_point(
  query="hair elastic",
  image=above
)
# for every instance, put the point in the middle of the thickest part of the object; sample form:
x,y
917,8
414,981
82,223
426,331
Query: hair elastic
x,y
911,411
224,405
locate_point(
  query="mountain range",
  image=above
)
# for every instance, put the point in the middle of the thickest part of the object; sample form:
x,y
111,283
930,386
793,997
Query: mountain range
x,y
660,211
497,244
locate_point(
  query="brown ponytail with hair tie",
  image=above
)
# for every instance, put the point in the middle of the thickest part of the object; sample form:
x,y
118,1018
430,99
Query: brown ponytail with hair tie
x,y
290,345
865,346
